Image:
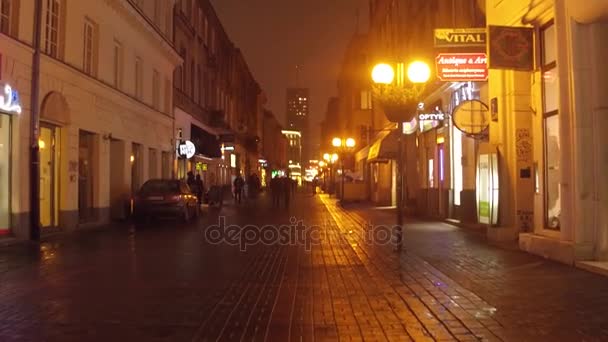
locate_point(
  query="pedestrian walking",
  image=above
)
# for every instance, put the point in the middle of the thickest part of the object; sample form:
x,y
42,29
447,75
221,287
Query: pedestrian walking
x,y
239,183
275,190
287,188
200,188
190,180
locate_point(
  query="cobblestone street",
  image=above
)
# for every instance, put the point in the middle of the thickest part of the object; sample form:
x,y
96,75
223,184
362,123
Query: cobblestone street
x,y
168,282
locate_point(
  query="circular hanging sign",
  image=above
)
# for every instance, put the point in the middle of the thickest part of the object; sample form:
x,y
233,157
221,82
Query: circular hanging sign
x,y
471,117
186,149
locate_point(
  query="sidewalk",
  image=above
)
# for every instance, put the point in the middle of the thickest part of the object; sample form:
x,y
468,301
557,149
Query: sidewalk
x,y
538,297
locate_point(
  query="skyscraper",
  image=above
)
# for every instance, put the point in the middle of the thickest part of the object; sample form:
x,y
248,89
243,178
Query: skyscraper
x,y
297,117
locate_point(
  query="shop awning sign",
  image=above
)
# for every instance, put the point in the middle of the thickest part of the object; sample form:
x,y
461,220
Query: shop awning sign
x,y
462,67
9,100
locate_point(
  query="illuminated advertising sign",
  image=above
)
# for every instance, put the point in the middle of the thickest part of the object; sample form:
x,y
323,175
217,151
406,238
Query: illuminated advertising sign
x,y
9,100
186,149
452,37
462,67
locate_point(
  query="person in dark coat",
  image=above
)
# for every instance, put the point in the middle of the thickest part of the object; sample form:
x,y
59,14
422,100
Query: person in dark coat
x,y
191,181
287,188
200,188
239,183
276,191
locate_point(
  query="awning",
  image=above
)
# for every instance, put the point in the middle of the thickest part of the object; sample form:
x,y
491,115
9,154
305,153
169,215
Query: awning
x,y
385,147
206,144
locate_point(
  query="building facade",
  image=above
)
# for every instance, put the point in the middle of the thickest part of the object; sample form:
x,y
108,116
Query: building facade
x,y
105,127
298,110
558,111
294,152
201,91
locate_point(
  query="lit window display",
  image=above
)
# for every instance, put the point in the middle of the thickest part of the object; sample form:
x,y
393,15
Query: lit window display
x,y
5,135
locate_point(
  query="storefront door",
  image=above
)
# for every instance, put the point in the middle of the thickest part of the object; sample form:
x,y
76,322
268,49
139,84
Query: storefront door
x,y
85,177
5,179
49,175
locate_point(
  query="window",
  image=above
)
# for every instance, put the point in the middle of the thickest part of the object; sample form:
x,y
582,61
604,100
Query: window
x,y
206,31
5,16
550,89
51,45
366,99
157,13
89,53
138,78
118,65
156,90
168,95
212,41
200,86
192,80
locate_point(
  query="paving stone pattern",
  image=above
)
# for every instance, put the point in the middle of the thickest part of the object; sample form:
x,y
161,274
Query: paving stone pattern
x,y
167,283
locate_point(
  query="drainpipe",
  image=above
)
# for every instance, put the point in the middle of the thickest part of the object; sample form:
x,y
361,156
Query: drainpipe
x,y
35,129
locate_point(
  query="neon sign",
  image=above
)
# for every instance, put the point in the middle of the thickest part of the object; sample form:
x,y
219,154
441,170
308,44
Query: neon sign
x,y
9,101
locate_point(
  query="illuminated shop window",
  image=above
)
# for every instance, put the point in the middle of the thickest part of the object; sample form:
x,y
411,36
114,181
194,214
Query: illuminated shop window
x,y
550,89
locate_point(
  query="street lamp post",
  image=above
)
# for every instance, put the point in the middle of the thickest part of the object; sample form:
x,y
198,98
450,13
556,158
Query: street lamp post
x,y
383,74
344,145
330,159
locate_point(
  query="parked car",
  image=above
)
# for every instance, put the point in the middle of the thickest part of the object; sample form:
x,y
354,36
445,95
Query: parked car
x,y
165,198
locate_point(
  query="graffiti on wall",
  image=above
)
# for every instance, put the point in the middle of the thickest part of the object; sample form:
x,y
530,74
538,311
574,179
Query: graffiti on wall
x,y
523,144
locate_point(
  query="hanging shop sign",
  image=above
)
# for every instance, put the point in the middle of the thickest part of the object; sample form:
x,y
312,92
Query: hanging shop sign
x,y
471,117
186,149
511,48
462,67
428,120
9,100
487,187
463,37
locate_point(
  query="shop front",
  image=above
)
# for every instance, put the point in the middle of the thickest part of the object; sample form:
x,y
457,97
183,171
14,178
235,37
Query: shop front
x,y
10,106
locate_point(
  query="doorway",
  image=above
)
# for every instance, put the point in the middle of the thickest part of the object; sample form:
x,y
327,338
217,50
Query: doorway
x,y
86,211
118,180
49,175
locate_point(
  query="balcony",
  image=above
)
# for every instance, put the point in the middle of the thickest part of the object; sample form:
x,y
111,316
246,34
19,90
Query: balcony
x,y
185,103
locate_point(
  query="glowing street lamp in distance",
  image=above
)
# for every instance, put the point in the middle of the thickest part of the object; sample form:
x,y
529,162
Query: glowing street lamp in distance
x,y
336,142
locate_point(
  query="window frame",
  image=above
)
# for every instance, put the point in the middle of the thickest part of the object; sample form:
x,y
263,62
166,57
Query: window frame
x,y
546,115
6,12
138,78
118,64
88,50
51,42
155,89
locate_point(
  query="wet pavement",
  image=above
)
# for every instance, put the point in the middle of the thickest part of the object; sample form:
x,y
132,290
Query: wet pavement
x,y
332,278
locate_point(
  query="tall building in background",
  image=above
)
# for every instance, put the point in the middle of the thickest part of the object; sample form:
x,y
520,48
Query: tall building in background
x,y
298,106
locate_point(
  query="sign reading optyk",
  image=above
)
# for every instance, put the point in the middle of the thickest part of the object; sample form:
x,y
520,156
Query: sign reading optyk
x,y
462,67
186,149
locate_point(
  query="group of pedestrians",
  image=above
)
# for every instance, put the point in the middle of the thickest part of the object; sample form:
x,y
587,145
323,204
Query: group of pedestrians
x,y
282,189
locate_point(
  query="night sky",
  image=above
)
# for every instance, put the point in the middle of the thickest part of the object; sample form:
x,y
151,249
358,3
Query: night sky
x,y
277,35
